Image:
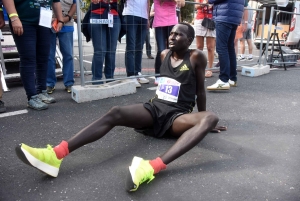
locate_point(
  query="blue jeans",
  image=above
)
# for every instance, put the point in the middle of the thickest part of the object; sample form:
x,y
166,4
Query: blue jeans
x,y
162,35
225,34
136,29
66,48
104,40
33,47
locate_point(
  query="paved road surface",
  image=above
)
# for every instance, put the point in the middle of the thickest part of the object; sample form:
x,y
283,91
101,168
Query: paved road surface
x,y
256,159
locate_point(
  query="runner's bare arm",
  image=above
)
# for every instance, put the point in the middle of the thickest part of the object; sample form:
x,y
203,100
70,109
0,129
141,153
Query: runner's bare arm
x,y
199,62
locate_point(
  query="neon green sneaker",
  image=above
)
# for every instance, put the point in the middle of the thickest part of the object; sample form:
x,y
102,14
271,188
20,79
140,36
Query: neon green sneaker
x,y
139,172
44,159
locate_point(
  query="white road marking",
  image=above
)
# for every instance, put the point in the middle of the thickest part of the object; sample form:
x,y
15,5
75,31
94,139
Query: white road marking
x,y
152,88
87,61
7,114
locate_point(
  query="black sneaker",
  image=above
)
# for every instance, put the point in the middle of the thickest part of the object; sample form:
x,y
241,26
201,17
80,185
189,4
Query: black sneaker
x,y
69,89
217,65
2,107
150,56
50,90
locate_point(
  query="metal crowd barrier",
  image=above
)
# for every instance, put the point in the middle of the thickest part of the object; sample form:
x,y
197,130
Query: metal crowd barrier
x,y
283,38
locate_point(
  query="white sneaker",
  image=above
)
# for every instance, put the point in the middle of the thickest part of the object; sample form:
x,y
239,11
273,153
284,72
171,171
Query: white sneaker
x,y
232,83
142,80
137,84
219,85
250,59
240,58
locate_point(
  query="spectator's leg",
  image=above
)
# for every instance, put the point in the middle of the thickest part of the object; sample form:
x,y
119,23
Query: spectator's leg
x,y
141,32
200,42
223,33
210,45
98,35
242,43
161,45
51,76
66,48
26,45
131,29
232,55
42,52
112,38
148,45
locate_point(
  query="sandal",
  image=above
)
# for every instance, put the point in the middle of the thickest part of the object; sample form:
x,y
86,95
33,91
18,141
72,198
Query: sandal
x,y
208,74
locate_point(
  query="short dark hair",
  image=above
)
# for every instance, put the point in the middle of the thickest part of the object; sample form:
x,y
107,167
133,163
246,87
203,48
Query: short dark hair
x,y
191,31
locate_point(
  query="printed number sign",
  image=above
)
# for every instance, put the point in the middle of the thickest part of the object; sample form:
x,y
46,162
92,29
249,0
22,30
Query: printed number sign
x,y
168,89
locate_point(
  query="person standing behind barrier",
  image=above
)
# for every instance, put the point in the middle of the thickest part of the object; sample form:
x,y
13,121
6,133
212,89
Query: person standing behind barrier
x,y
32,38
247,36
136,19
65,37
205,11
104,36
164,20
148,45
227,16
2,23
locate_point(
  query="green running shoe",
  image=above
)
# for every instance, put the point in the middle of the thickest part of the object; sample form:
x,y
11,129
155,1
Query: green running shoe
x,y
44,159
139,172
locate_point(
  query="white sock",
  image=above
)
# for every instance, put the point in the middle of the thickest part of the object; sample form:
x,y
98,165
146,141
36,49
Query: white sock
x,y
250,56
243,56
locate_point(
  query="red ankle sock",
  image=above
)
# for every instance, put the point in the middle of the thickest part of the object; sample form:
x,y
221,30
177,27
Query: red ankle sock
x,y
157,165
61,150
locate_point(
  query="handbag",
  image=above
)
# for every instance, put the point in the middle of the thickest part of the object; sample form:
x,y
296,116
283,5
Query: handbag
x,y
208,23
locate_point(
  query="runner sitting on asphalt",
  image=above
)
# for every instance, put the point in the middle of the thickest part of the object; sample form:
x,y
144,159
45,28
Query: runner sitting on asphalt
x,y
169,113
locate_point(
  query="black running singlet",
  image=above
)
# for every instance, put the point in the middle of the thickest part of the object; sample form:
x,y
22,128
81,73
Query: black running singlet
x,y
169,90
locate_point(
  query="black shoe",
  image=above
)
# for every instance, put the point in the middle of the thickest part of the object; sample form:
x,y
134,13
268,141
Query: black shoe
x,y
2,107
69,89
50,90
150,56
217,65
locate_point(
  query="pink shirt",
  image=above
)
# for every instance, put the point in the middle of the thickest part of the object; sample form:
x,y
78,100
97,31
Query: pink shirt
x,y
165,14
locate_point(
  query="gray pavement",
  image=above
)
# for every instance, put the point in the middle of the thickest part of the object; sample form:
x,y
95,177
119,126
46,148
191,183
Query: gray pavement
x,y
256,159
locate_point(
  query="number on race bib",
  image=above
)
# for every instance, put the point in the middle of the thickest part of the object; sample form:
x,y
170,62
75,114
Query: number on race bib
x,y
168,89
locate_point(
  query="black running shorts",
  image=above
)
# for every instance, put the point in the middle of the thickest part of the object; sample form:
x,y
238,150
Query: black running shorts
x,y
163,116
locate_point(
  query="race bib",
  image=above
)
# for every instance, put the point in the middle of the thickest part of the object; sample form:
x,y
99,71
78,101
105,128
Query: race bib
x,y
168,89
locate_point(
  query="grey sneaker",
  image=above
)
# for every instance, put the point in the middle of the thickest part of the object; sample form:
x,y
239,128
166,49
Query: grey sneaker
x,y
2,107
36,103
45,97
